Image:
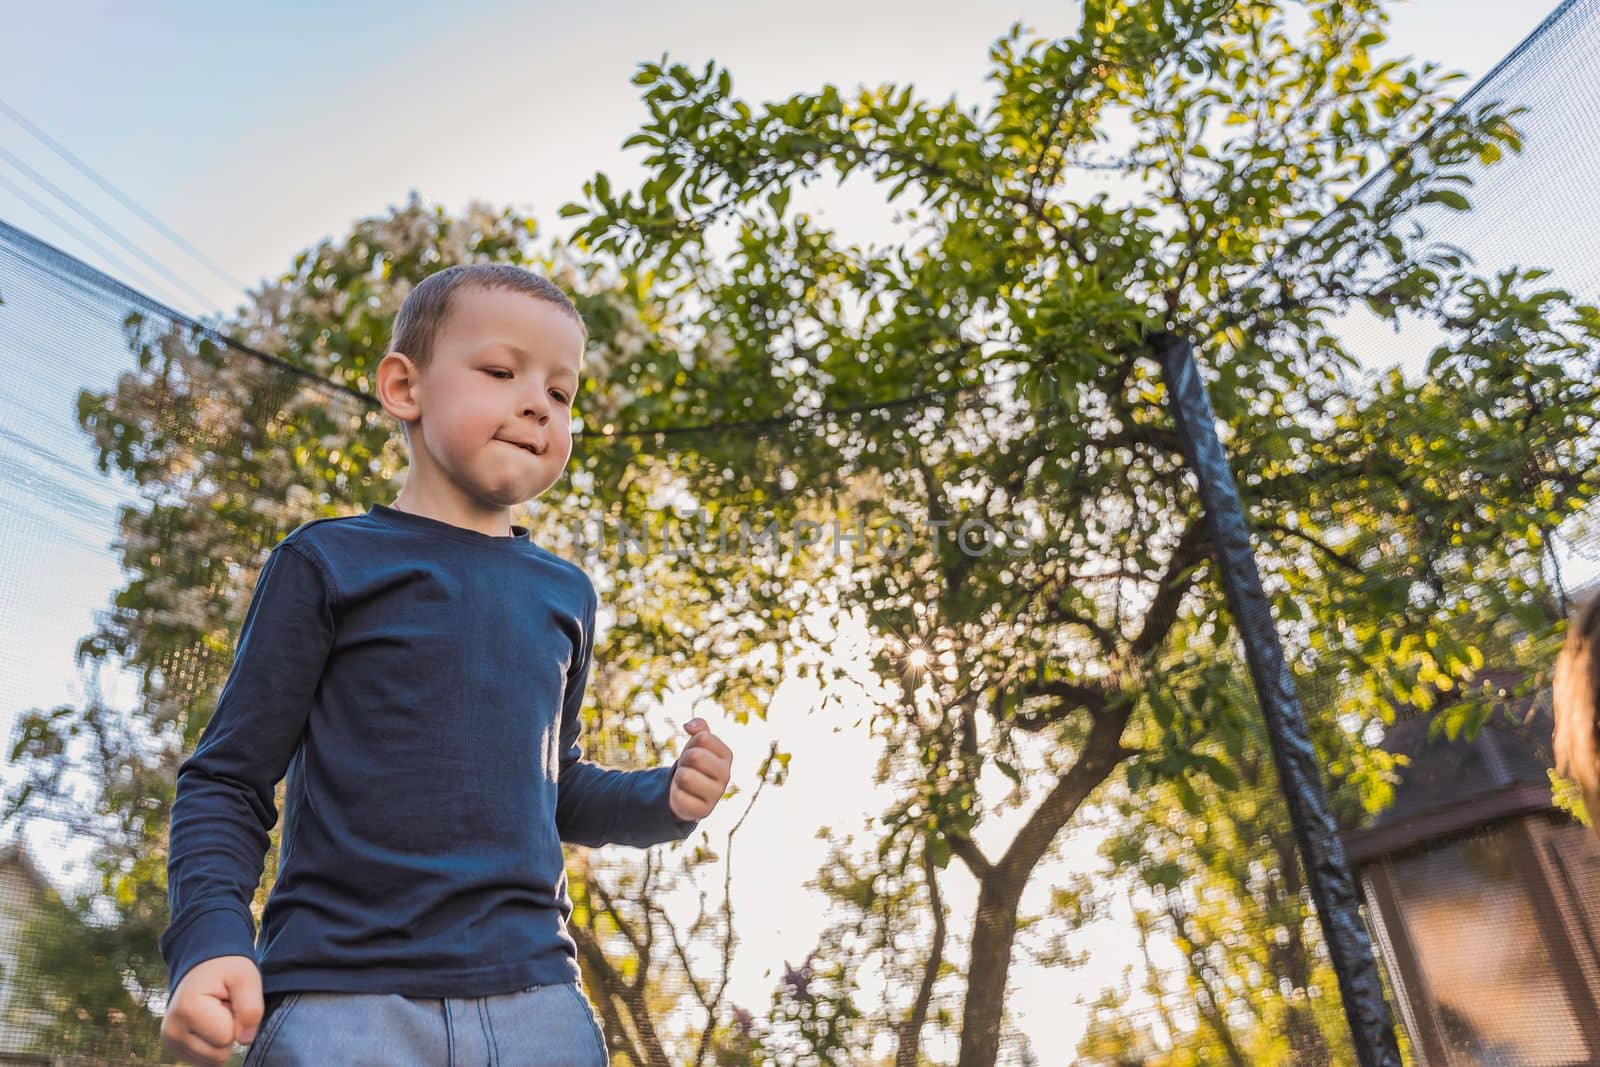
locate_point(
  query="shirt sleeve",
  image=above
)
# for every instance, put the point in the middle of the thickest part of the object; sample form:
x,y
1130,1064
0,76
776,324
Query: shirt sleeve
x,y
224,803
603,805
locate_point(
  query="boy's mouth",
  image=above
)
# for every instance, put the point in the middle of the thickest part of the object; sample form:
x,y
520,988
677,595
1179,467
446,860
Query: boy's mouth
x,y
525,447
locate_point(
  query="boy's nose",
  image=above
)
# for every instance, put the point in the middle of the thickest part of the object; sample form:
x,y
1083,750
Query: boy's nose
x,y
537,405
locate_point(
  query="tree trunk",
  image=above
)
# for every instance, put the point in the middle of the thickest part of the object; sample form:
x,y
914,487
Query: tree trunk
x,y
910,1036
1207,1003
992,936
610,990
1292,961
1001,884
1153,973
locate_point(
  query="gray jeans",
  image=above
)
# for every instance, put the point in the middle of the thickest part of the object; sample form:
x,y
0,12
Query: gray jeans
x,y
541,1026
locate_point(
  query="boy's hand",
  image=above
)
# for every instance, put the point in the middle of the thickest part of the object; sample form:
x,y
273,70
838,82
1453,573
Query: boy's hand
x,y
218,1002
704,767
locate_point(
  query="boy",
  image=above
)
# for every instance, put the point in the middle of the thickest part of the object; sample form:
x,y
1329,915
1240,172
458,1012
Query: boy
x,y
1577,706
416,672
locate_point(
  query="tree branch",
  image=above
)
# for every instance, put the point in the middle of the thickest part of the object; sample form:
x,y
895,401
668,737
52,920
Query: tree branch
x,y
1332,553
1101,753
910,1029
1192,548
1070,697
971,855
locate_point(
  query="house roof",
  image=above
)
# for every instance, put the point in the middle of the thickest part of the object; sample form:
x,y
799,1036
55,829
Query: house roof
x,y
16,853
1452,786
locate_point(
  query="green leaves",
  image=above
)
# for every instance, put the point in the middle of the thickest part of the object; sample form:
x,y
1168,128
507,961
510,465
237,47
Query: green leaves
x,y
1448,197
1566,795
994,356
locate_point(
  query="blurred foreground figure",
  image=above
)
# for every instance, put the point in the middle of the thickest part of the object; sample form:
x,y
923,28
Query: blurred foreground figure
x,y
1577,683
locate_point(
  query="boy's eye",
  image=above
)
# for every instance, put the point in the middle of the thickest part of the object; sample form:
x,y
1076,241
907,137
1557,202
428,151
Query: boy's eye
x,y
502,375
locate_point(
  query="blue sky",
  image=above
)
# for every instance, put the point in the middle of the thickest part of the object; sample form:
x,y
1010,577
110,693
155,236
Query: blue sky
x,y
256,134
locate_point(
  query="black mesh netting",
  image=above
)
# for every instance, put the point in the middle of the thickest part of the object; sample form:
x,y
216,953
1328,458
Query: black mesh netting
x,y
790,563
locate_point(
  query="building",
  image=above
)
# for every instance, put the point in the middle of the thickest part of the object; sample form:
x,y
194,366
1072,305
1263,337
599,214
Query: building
x,y
22,889
1483,897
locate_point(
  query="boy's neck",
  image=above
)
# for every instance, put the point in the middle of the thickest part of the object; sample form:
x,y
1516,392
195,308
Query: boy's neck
x,y
453,509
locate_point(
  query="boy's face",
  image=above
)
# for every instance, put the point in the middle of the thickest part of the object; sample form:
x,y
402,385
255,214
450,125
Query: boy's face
x,y
503,375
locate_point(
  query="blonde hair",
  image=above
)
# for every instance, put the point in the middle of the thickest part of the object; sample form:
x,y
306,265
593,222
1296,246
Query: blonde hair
x,y
427,306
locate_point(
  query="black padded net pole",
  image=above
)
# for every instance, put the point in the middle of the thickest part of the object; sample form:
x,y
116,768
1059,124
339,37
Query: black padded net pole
x,y
1328,875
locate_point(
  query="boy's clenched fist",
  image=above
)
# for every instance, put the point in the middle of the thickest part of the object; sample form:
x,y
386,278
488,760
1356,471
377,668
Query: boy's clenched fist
x,y
218,1002
704,767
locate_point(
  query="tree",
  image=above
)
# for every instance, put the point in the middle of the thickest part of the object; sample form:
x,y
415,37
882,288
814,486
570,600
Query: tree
x,y
1006,327
103,1021
1217,875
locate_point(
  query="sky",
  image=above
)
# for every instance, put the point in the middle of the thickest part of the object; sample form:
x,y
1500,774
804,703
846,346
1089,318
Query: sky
x,y
254,134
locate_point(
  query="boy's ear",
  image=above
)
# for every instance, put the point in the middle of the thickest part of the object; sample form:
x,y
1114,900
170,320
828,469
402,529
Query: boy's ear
x,y
399,387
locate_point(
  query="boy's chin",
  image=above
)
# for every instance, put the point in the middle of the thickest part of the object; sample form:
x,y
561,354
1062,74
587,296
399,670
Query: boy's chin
x,y
511,497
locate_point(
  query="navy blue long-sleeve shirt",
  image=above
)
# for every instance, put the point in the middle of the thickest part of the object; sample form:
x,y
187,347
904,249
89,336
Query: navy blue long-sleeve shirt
x,y
418,684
